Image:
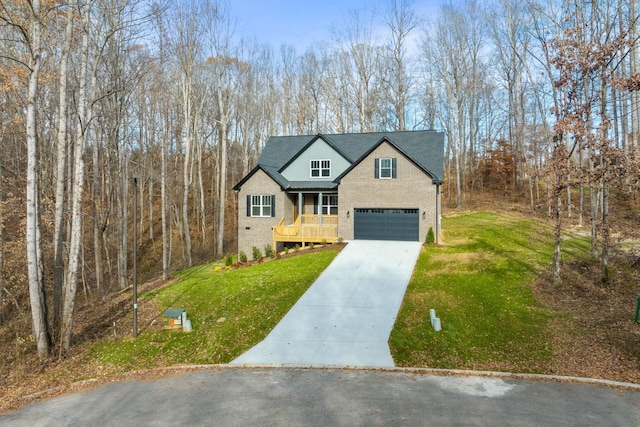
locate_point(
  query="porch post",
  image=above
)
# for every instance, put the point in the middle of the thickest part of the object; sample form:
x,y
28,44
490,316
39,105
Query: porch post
x,y
320,208
299,207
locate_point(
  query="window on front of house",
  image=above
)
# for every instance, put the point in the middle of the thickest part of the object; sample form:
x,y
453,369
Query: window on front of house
x,y
320,168
385,168
330,204
260,205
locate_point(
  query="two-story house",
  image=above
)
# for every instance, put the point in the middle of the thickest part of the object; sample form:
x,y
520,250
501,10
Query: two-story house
x,y
321,188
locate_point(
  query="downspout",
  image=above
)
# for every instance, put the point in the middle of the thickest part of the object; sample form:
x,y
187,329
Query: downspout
x,y
238,224
438,213
299,207
320,208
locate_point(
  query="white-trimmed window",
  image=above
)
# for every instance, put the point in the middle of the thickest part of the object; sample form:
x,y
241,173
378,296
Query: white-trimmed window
x,y
330,204
261,205
385,168
320,169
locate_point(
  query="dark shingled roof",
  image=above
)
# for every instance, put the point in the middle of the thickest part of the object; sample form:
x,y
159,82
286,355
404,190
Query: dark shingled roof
x,y
424,148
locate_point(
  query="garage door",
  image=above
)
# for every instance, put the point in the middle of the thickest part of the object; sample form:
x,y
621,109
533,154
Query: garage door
x,y
386,224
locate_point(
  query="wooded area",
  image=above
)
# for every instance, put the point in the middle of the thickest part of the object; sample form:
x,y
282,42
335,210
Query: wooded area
x,y
538,100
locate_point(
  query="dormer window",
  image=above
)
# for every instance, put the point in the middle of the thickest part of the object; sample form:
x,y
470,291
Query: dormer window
x,y
320,169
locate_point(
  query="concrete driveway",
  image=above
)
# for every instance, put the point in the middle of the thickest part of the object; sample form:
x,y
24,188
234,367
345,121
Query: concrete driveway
x,y
346,316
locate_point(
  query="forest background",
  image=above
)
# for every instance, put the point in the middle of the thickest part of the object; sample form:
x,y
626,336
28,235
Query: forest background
x,y
538,100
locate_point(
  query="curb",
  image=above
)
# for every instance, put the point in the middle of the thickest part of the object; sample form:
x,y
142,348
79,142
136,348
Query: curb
x,y
426,371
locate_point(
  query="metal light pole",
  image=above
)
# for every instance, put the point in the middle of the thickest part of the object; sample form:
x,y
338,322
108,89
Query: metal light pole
x,y
136,176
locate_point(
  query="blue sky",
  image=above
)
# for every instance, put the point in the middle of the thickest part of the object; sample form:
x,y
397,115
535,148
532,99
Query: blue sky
x,y
299,22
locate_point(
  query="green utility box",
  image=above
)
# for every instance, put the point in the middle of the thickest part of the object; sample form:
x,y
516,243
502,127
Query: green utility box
x,y
173,318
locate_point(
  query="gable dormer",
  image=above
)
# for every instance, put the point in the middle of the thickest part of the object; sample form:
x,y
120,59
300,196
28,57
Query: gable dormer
x,y
319,160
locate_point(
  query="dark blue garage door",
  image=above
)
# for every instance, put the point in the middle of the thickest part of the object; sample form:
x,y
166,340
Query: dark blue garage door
x,y
386,224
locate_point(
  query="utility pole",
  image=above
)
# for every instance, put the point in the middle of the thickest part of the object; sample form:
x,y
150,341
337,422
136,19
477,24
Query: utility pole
x,y
136,176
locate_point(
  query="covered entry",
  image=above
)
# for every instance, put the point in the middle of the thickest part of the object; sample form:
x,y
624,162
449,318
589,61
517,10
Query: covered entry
x,y
386,224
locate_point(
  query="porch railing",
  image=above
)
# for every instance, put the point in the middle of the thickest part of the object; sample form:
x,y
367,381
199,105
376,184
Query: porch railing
x,y
307,229
314,219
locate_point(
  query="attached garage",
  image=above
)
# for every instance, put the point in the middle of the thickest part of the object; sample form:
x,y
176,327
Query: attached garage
x,y
386,224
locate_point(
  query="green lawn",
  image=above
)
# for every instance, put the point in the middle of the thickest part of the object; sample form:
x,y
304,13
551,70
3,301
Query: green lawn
x,y
478,283
252,300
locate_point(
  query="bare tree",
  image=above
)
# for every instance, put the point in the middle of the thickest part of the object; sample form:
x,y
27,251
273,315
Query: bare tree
x,y
187,46
61,162
227,71
27,22
2,238
77,189
401,19
452,49
363,67
511,41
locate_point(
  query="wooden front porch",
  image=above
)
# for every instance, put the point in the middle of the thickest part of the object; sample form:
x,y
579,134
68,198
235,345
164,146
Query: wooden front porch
x,y
307,229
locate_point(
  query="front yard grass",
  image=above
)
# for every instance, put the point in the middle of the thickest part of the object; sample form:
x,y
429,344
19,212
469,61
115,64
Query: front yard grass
x,y
478,282
230,311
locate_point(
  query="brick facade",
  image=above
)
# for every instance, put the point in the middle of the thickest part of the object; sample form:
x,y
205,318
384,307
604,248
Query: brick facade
x,y
257,231
411,188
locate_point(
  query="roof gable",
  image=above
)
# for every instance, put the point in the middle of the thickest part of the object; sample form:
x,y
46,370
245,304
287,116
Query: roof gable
x,y
319,148
269,171
313,141
423,148
383,140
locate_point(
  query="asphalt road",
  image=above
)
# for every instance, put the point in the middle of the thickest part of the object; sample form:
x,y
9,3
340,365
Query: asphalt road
x,y
334,397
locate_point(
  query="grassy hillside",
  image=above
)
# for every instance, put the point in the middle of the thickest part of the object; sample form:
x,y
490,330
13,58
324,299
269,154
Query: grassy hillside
x,y
230,312
478,282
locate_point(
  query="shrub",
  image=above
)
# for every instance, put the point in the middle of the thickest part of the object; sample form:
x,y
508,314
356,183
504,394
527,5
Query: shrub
x,y
228,261
431,238
218,268
296,247
324,242
268,251
286,249
242,256
256,253
311,245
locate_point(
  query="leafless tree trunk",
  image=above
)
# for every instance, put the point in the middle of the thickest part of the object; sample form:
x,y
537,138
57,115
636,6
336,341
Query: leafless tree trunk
x,y
99,223
2,238
188,30
452,55
33,35
227,71
62,146
512,41
635,69
164,143
401,19
75,243
363,70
